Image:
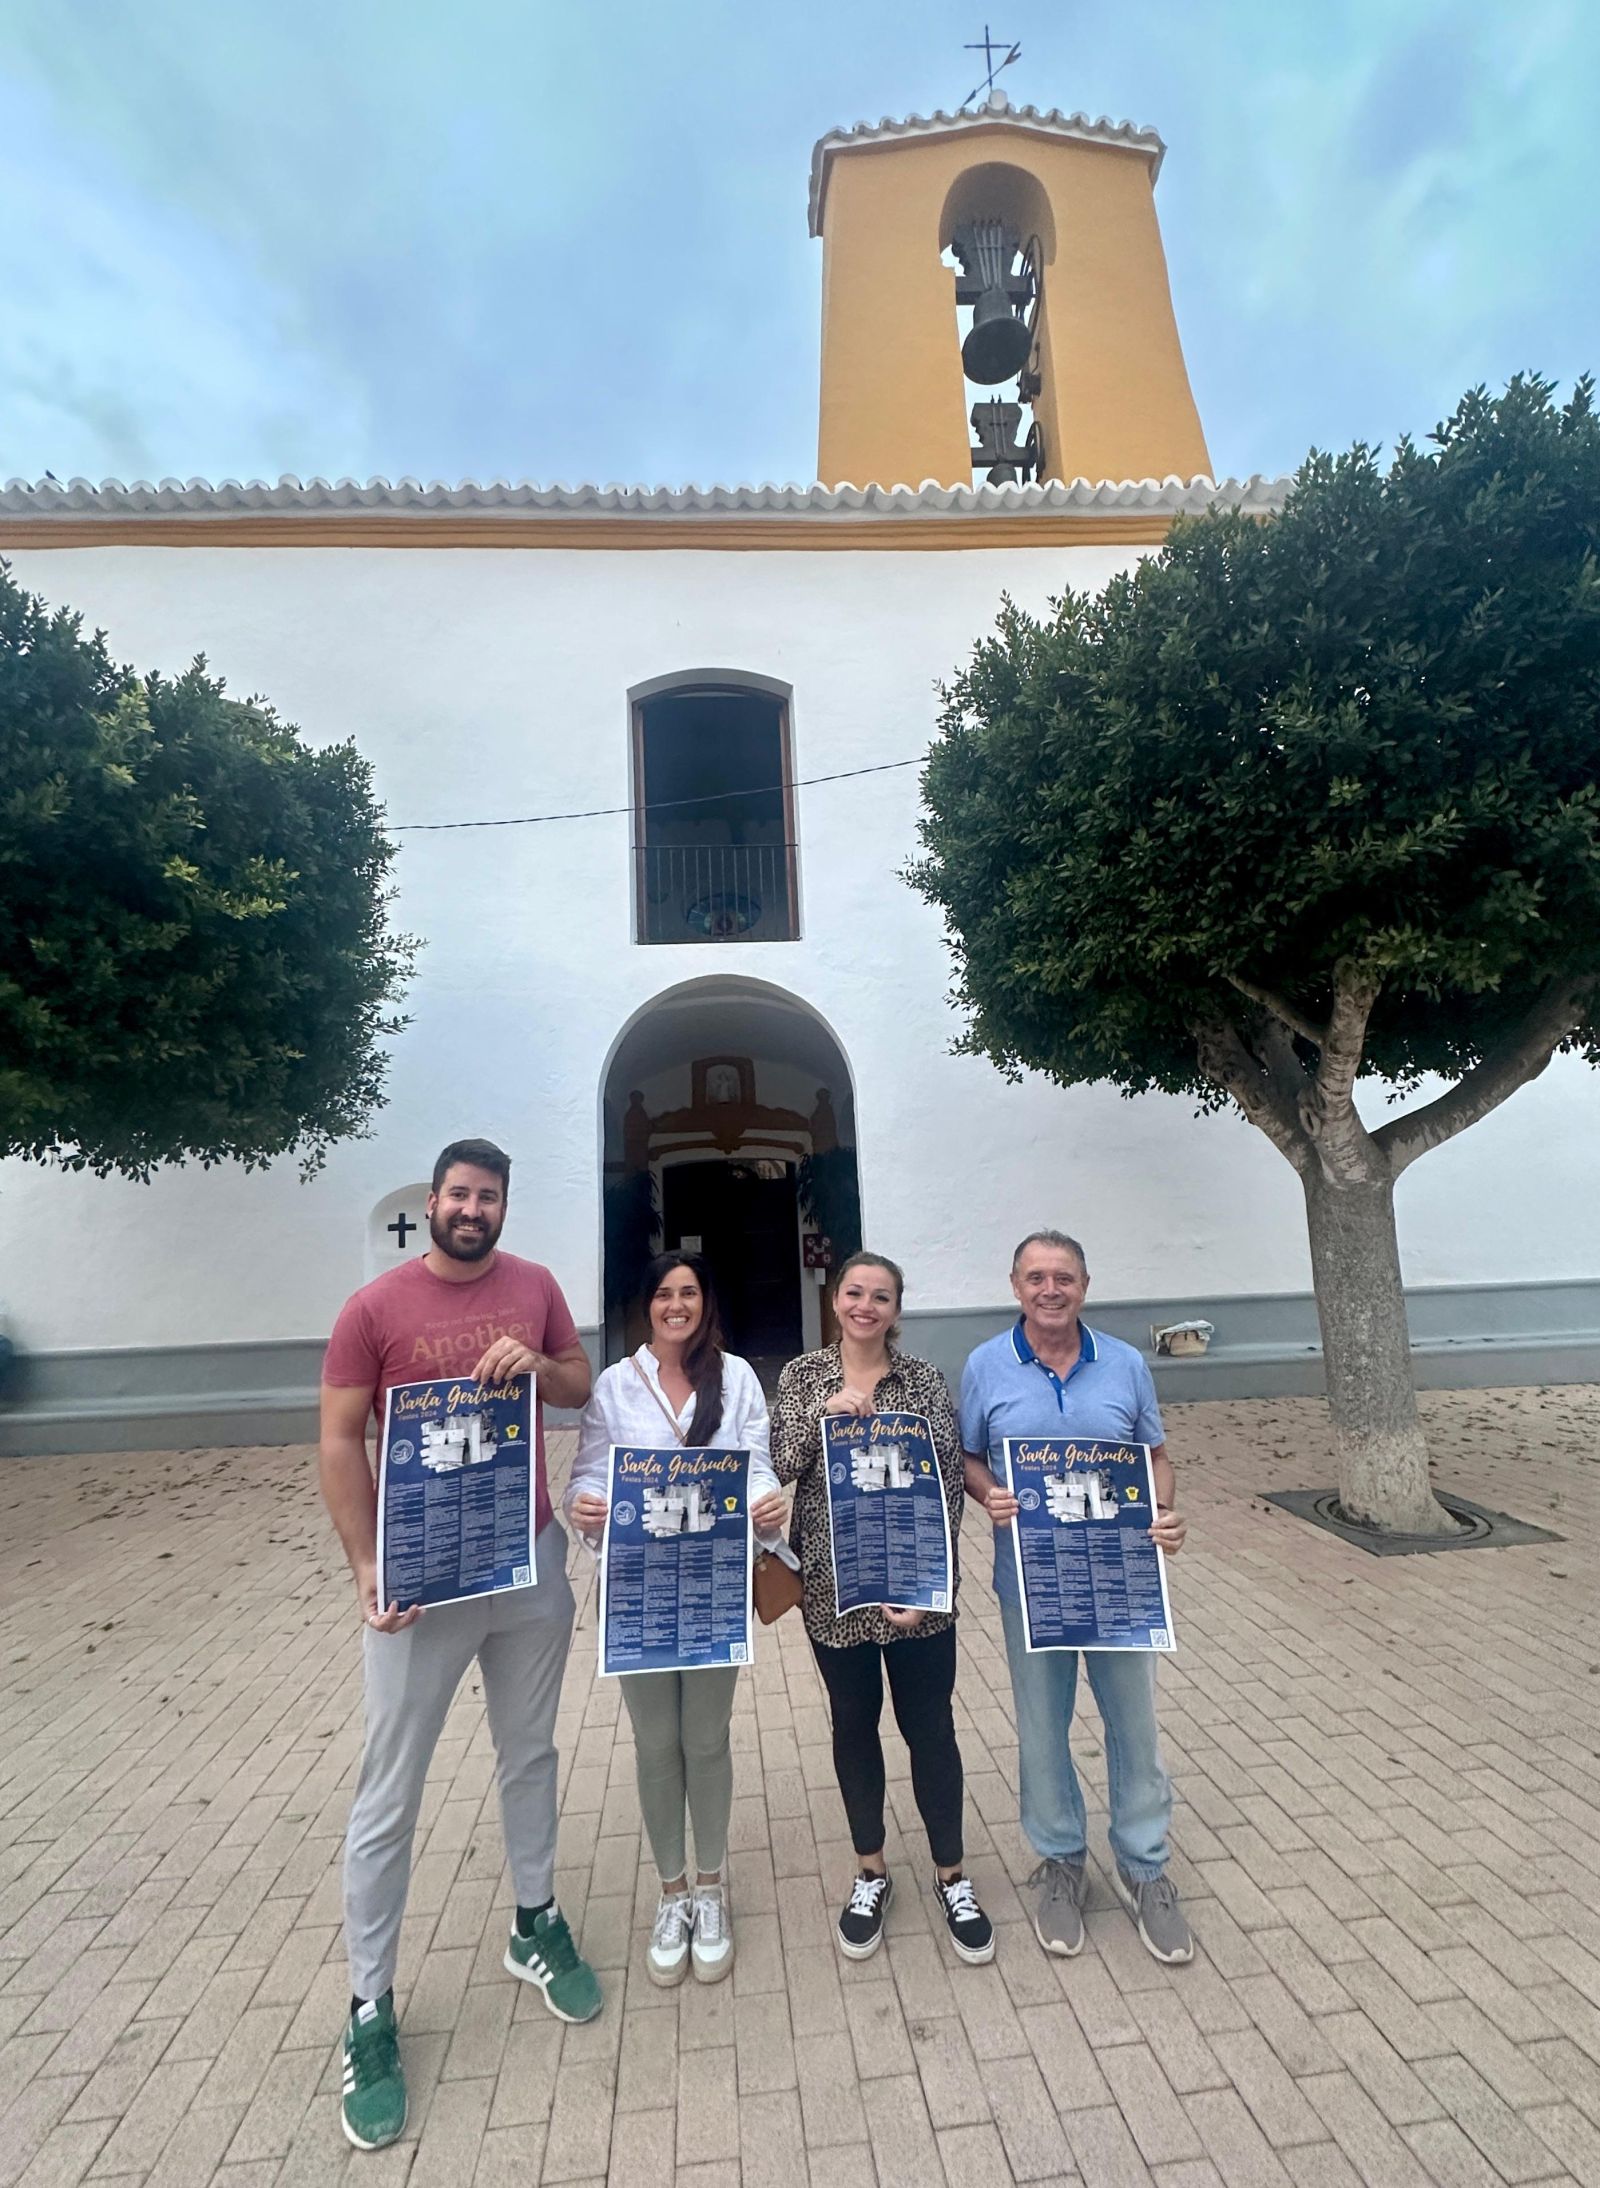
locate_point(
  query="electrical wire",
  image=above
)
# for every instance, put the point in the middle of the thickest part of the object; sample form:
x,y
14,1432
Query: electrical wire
x,y
655,805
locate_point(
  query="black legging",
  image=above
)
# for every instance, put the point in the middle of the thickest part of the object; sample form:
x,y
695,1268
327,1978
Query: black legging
x,y
922,1678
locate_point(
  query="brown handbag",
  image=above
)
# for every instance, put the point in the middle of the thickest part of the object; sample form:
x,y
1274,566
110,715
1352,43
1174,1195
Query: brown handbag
x,y
774,1586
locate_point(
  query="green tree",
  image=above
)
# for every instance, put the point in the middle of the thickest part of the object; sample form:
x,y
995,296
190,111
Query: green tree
x,y
195,958
1295,803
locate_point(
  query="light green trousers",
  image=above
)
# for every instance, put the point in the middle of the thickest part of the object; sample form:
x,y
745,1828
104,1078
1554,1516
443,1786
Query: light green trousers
x,y
682,1754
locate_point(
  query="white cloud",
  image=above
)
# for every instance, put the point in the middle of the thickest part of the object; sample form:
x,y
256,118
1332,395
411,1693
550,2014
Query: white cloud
x,y
132,342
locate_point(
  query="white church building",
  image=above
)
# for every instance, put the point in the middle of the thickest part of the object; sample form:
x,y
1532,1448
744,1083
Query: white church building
x,y
708,966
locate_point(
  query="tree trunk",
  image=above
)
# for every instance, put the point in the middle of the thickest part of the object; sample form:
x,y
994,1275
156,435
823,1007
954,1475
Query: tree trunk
x,y
1366,1350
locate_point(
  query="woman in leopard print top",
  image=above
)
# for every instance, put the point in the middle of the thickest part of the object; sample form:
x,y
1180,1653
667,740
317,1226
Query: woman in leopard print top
x,y
862,1374
805,1389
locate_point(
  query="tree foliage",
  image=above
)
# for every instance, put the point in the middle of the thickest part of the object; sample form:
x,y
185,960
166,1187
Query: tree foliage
x,y
1354,747
195,957
1298,801
829,1185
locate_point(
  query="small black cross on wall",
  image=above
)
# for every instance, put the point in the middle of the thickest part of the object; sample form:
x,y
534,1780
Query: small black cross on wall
x,y
402,1227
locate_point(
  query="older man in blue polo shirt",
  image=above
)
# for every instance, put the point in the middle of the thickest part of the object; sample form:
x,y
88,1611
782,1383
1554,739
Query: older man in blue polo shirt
x,y
1051,1375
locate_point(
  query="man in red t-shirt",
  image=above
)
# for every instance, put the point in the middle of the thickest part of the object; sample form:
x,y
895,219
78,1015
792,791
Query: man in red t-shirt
x,y
464,1308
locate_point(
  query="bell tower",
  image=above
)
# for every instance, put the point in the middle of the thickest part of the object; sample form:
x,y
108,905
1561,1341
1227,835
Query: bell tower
x,y
1051,222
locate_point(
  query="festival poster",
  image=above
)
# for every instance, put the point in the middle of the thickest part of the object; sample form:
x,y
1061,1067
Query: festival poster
x,y
888,1522
675,1560
456,1491
1088,1573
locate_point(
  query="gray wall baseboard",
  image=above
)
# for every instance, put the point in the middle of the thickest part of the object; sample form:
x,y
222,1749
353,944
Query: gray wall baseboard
x,y
172,1397
1464,1337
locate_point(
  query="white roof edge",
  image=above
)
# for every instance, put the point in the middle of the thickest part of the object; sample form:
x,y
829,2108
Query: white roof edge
x,y
996,111
82,499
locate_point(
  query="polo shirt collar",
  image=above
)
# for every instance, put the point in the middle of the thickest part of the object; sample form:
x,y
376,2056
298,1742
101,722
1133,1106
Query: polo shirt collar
x,y
1029,1358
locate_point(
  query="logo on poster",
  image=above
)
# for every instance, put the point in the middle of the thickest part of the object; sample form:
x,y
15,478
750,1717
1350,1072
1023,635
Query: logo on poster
x,y
836,1473
624,1514
402,1453
1028,1499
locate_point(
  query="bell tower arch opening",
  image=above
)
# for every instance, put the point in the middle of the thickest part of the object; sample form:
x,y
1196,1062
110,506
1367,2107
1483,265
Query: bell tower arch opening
x,y
728,1128
997,233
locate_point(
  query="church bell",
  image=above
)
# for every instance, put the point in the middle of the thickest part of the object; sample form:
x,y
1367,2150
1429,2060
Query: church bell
x,y
1000,338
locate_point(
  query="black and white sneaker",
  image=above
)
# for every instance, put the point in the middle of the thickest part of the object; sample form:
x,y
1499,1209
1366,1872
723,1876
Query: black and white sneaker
x,y
971,1931
861,1924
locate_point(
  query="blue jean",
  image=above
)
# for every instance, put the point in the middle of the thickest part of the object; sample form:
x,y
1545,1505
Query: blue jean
x,y
1044,1688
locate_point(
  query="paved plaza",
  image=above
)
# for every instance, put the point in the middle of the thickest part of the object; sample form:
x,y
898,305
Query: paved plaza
x,y
1388,1837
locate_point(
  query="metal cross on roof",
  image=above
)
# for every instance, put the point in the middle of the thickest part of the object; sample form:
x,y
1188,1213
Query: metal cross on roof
x,y
989,47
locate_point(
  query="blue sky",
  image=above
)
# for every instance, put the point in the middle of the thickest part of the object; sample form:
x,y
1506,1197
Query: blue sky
x,y
506,239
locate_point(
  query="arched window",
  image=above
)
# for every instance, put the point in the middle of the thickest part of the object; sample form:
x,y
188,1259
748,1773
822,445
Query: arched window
x,y
714,848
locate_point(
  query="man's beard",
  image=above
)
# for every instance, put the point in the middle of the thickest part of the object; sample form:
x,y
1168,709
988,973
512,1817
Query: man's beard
x,y
463,1245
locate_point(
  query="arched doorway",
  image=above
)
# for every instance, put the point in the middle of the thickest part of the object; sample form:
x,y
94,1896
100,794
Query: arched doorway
x,y
729,1128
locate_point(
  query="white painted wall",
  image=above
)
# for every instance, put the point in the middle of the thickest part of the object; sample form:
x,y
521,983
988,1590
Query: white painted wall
x,y
488,682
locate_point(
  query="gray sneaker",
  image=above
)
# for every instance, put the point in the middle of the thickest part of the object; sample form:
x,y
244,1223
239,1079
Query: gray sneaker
x,y
1061,1888
1154,1907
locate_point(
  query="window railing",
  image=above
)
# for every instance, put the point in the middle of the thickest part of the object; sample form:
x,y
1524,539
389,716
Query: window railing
x,y
715,892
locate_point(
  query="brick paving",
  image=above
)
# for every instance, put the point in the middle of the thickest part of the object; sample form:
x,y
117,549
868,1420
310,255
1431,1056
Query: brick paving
x,y
1388,1837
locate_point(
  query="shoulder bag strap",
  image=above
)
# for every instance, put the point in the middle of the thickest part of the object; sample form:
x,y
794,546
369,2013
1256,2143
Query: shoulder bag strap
x,y
666,1410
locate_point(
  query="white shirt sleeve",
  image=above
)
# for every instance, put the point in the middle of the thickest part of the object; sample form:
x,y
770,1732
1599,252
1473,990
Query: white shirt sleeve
x,y
597,1432
748,1428
756,1436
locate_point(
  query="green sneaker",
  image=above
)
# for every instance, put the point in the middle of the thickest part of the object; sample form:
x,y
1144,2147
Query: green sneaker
x,y
374,2109
549,1958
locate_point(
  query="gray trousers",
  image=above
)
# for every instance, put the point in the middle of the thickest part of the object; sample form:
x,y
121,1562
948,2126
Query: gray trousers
x,y
520,1641
681,1752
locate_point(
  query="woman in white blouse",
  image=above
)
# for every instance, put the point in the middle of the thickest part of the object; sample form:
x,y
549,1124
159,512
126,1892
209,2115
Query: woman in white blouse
x,y
680,1379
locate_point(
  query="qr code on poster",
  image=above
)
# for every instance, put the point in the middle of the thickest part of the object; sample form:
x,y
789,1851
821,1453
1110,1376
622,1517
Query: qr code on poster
x,y
1160,1638
521,1575
738,1653
941,1602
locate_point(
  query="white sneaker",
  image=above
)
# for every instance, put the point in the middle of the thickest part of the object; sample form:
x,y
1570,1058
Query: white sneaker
x,y
713,1933
667,1961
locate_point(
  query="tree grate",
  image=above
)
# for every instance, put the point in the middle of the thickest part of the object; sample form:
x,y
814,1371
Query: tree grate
x,y
1479,1529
